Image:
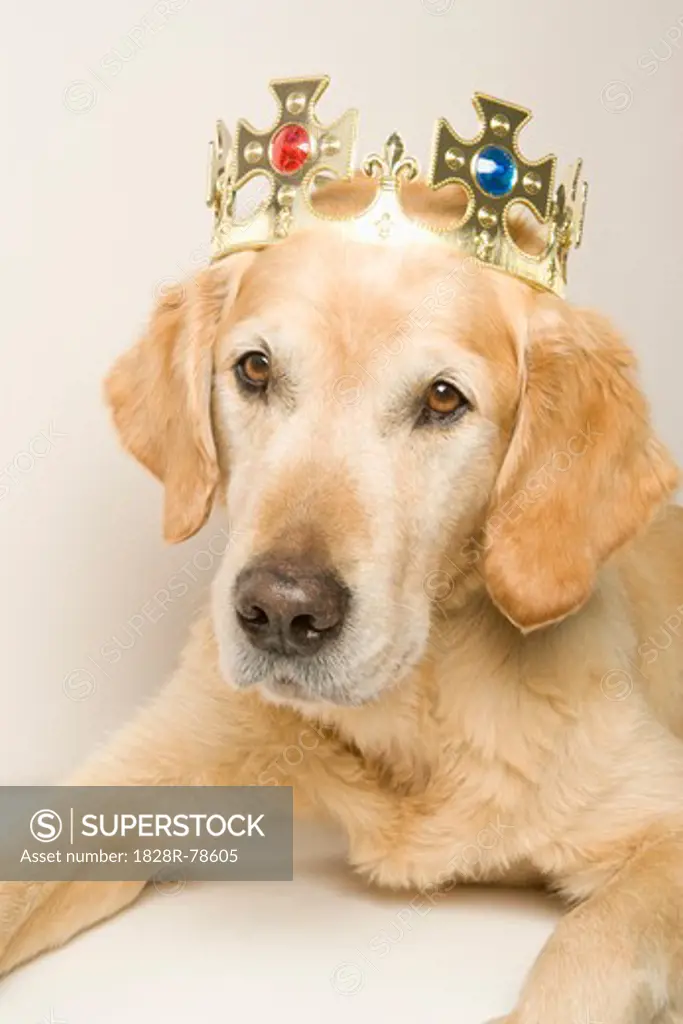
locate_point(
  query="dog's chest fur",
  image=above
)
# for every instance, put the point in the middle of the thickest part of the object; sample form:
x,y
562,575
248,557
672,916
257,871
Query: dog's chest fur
x,y
481,735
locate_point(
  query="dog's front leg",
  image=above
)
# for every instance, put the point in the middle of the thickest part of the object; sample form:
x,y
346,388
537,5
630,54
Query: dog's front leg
x,y
185,737
617,958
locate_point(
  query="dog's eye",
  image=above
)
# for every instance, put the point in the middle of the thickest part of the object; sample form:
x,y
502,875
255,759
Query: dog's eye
x,y
442,403
253,371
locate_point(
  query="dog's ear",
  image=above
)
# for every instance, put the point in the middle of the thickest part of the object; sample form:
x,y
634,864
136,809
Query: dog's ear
x,y
160,394
583,474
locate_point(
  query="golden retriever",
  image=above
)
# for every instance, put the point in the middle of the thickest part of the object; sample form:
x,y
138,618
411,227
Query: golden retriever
x,y
454,589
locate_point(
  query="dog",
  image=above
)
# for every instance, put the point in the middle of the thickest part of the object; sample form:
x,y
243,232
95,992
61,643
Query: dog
x,y
454,567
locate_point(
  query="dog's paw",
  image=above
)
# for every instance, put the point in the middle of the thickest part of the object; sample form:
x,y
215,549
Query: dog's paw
x,y
388,873
394,866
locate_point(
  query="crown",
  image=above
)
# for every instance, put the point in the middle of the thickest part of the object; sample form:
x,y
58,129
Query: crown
x,y
299,152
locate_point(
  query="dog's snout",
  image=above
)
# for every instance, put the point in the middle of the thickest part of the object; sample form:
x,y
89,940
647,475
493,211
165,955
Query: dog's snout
x,y
290,608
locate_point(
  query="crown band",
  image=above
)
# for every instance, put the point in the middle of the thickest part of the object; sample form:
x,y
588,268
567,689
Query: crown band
x,y
298,151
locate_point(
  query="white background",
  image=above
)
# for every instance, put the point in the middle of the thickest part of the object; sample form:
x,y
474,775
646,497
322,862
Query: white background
x,y
106,113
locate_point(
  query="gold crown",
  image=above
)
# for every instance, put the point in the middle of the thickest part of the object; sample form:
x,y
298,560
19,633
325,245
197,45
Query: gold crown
x,y
298,152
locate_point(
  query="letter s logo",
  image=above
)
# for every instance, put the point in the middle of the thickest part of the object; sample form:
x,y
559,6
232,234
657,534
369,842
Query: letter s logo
x,y
46,826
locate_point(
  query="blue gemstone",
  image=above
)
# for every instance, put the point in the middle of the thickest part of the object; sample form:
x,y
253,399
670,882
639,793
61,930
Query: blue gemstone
x,y
495,171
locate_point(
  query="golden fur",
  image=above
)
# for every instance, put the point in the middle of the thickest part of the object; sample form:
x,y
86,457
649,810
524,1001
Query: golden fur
x,y
513,699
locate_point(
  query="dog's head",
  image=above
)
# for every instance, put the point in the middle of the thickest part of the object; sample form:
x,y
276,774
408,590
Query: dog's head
x,y
389,428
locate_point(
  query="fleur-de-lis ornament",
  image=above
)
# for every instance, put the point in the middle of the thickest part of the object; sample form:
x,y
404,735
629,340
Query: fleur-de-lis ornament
x,y
392,165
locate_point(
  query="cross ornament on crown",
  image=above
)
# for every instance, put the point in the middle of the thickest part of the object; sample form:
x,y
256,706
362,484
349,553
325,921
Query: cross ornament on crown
x,y
491,167
297,147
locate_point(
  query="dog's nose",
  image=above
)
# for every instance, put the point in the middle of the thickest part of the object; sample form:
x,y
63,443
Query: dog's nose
x,y
290,607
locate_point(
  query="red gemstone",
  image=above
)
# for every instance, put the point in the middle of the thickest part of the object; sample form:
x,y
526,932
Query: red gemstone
x,y
290,148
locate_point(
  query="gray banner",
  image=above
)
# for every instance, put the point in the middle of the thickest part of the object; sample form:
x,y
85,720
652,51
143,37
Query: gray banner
x,y
137,833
